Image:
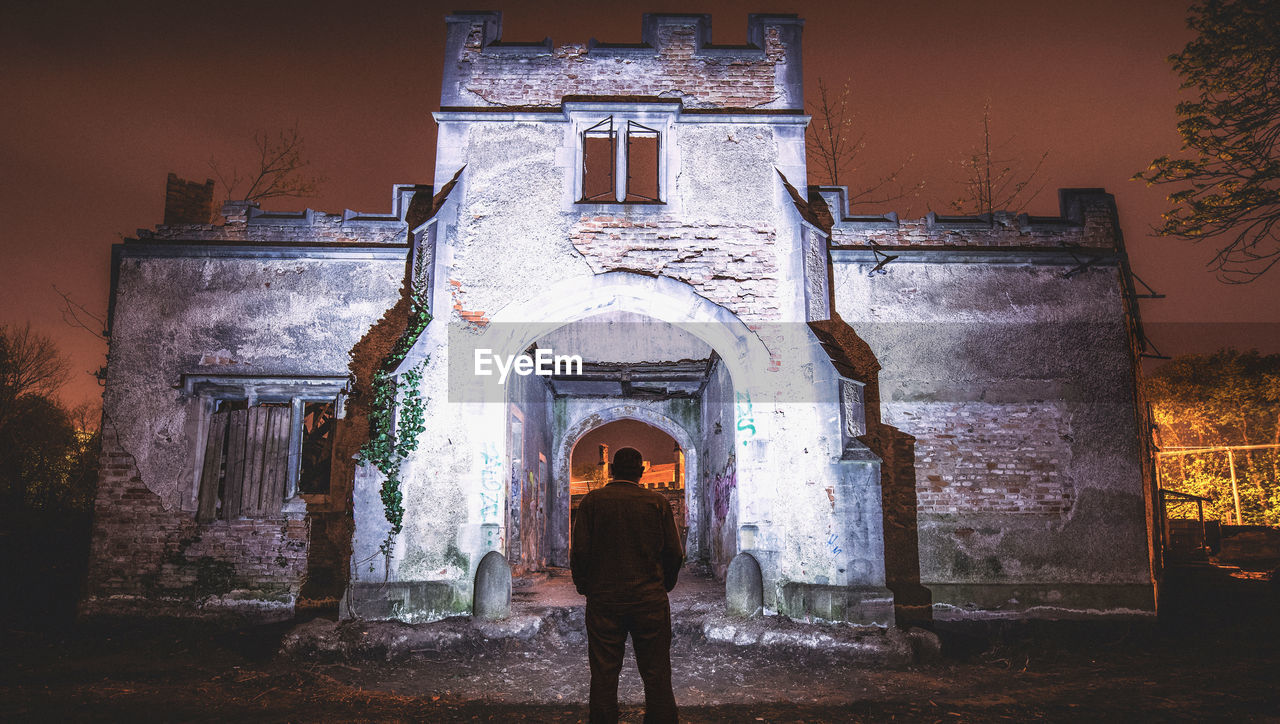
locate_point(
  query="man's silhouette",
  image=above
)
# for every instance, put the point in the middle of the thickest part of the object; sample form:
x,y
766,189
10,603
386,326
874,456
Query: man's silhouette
x,y
625,557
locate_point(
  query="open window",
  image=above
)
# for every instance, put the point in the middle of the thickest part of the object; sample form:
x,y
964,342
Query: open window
x,y
642,164
262,443
621,163
599,153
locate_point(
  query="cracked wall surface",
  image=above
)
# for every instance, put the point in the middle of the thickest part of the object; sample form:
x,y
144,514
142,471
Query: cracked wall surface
x,y
182,307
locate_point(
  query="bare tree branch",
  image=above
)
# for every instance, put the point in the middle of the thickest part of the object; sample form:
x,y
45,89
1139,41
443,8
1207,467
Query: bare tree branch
x,y
996,184
74,314
280,171
30,364
833,147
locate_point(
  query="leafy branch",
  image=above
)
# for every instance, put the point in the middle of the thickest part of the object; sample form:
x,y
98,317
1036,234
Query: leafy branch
x,y
1230,137
397,416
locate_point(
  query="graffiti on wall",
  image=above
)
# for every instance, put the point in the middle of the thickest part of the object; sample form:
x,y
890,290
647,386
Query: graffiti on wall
x,y
746,417
833,544
491,497
722,487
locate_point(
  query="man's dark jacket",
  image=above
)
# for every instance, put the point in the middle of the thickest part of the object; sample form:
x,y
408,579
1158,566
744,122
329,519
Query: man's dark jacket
x,y
625,547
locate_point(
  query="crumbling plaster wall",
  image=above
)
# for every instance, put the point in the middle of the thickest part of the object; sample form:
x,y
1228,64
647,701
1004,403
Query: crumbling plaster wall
x,y
1016,384
528,512
226,316
719,474
187,310
715,235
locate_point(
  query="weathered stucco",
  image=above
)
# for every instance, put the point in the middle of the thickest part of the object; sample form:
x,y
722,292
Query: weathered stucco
x,y
231,316
1015,384
213,304
954,424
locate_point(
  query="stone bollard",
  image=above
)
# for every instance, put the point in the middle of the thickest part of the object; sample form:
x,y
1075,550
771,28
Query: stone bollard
x,y
744,587
492,597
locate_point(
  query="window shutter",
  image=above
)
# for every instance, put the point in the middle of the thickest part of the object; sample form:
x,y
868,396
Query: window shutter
x,y
266,441
237,452
275,468
642,163
211,472
598,156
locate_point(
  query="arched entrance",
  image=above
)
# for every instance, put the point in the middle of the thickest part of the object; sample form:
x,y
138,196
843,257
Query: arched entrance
x,y
664,465
611,412
694,396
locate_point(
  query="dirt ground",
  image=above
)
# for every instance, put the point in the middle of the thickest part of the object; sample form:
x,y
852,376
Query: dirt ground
x,y
1212,655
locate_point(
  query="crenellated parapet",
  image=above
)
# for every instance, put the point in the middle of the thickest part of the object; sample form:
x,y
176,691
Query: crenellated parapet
x,y
246,222
1087,220
675,59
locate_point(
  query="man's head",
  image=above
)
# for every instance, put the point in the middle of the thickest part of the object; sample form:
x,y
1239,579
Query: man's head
x,y
628,464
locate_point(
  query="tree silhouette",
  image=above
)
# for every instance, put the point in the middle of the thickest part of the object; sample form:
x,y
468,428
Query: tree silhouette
x,y
995,184
834,146
1229,133
30,365
281,169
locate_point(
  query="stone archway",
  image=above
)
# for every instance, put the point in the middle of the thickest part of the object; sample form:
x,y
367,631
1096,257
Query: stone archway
x,y
746,361
612,411
513,328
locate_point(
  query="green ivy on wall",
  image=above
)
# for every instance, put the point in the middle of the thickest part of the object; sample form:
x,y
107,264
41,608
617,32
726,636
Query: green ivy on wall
x,y
391,440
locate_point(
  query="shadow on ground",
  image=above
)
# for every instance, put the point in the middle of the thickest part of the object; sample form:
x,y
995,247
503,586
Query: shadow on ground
x,y
1211,655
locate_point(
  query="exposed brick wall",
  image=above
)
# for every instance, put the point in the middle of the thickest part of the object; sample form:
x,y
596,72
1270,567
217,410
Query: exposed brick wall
x,y
142,550
187,202
678,65
982,457
731,264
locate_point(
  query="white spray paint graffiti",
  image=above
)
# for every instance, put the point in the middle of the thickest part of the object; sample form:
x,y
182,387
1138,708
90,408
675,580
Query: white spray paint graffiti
x,y
490,498
746,420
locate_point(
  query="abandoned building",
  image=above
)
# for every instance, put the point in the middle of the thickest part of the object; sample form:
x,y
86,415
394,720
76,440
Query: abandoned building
x,y
885,418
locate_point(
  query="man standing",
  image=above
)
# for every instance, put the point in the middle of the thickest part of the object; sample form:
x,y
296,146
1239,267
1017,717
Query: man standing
x,y
625,556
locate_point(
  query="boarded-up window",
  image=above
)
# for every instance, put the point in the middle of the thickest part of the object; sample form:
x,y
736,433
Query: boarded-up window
x,y
598,158
246,462
642,163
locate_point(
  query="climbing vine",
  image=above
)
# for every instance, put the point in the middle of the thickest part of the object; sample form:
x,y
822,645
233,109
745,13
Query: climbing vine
x,y
391,440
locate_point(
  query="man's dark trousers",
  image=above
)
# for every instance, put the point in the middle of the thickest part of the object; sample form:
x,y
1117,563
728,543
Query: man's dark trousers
x,y
649,624
626,555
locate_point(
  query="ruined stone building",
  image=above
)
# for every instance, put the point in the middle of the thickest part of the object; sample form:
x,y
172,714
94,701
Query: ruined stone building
x,y
933,417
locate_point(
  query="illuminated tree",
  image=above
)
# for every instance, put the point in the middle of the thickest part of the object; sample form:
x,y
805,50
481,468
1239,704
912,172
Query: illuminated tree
x,y
1228,166
1226,398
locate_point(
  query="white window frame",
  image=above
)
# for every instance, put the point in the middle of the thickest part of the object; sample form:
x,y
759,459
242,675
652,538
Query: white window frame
x,y
658,118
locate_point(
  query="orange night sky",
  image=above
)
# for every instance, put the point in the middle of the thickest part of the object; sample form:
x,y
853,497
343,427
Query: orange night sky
x,y
104,99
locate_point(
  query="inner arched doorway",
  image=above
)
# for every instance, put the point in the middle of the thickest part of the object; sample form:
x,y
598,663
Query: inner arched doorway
x,y
664,461
691,517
